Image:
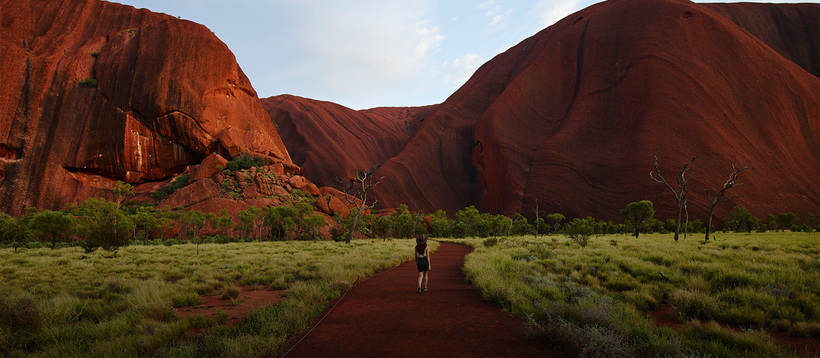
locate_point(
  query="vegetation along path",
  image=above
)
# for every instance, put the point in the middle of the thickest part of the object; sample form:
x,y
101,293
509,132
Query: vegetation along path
x,y
385,317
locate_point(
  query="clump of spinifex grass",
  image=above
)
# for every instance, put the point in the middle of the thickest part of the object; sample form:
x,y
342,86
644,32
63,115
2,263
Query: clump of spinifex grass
x,y
593,300
67,303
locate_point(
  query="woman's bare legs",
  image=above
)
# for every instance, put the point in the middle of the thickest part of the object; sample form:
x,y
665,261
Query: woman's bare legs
x,y
422,275
425,280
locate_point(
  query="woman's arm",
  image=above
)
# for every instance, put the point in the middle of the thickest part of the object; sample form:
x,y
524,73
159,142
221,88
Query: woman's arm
x,y
427,253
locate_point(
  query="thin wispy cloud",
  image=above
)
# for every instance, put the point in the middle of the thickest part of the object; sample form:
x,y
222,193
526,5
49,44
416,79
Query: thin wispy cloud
x,y
459,70
550,11
368,53
354,53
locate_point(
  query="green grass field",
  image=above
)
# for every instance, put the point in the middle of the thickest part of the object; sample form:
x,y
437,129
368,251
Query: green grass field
x,y
588,301
64,303
592,300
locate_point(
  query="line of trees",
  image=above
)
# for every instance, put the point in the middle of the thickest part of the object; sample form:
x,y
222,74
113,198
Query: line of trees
x,y
98,223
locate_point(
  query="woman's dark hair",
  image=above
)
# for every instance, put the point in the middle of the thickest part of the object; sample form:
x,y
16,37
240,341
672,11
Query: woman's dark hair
x,y
421,243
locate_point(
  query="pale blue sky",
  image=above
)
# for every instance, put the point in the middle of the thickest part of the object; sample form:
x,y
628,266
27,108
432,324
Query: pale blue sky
x,y
367,53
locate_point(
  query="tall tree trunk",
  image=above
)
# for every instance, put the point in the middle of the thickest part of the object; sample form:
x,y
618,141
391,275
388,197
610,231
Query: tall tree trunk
x,y
709,222
353,226
677,223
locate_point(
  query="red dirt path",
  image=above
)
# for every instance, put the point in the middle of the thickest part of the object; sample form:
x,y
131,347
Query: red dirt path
x,y
385,317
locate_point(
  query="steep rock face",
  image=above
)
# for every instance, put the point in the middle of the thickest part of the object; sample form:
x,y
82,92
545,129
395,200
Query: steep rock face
x,y
574,116
791,30
330,141
165,93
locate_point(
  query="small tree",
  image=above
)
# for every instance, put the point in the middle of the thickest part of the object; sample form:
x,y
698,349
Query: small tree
x,y
223,223
811,221
520,225
719,196
495,225
103,224
306,222
743,219
638,214
57,225
787,220
15,230
679,193
280,221
440,224
555,220
383,227
191,223
122,191
467,219
146,221
362,185
251,222
580,230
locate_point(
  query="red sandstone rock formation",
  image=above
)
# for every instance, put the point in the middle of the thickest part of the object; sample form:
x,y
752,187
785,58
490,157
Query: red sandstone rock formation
x,y
331,141
165,93
574,115
791,30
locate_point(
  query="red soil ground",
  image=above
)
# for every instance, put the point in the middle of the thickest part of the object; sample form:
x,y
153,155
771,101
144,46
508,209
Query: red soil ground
x,y
385,317
248,300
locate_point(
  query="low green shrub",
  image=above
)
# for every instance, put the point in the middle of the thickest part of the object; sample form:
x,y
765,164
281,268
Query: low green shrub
x,y
490,242
244,161
230,292
689,305
711,339
89,82
20,311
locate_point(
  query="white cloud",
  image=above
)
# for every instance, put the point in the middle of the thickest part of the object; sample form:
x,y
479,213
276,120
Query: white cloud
x,y
429,40
551,11
358,51
496,13
460,70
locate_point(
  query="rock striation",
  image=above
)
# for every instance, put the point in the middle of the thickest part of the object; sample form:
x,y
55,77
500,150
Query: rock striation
x,y
332,142
95,92
573,116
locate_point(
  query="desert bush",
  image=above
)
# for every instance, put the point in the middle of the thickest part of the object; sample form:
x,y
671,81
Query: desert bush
x,y
689,305
713,340
244,161
580,230
805,329
166,191
729,279
89,82
618,283
490,242
231,291
642,301
20,311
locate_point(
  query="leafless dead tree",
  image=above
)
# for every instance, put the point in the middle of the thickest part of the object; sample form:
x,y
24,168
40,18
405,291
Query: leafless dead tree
x,y
538,214
718,198
680,193
362,184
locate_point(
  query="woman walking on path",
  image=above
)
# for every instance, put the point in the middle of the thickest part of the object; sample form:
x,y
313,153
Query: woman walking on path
x,y
422,260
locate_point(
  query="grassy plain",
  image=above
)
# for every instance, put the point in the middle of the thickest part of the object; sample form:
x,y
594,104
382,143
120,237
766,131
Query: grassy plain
x,y
594,300
65,303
